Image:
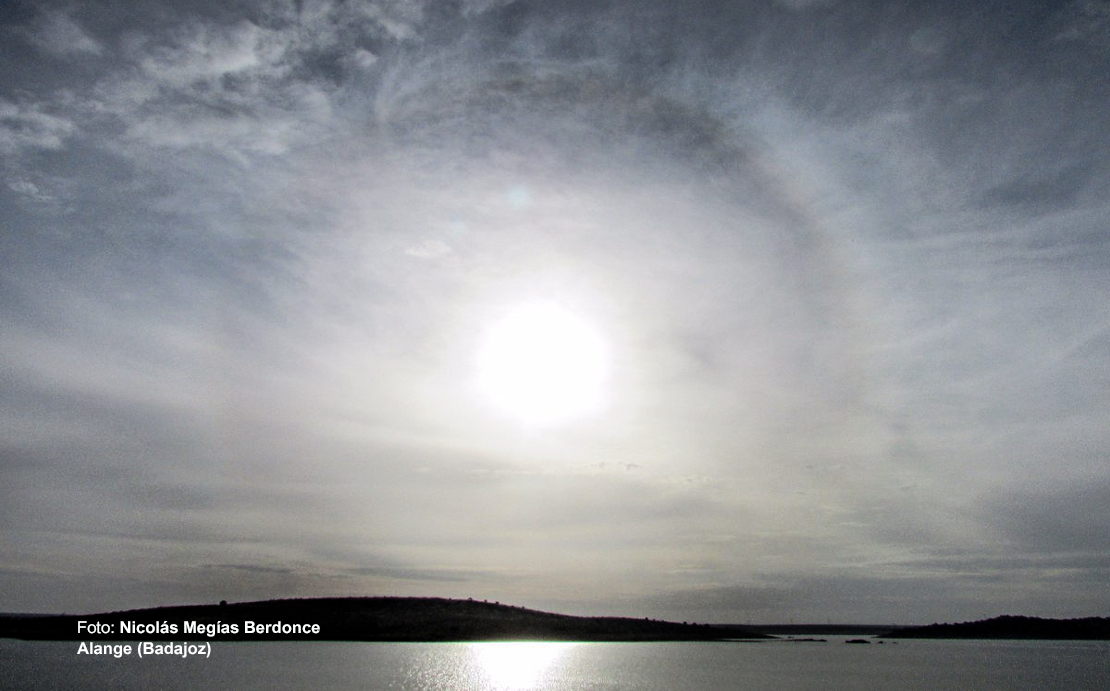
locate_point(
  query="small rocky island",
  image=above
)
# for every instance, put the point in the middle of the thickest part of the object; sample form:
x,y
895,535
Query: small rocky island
x,y
1014,627
356,619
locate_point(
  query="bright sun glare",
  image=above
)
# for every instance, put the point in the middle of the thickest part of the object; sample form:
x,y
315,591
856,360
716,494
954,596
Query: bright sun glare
x,y
511,666
542,364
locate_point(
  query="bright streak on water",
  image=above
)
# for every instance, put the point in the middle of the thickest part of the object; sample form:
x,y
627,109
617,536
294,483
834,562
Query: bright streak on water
x,y
513,666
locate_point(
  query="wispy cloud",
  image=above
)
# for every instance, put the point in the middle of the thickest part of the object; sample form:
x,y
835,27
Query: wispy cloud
x,y
28,125
57,32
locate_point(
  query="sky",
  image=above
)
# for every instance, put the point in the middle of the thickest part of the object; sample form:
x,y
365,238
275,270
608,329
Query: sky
x,y
766,311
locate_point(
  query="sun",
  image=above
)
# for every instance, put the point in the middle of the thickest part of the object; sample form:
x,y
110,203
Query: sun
x,y
542,364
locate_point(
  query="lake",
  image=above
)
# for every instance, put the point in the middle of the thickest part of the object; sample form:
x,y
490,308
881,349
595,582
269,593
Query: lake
x,y
781,665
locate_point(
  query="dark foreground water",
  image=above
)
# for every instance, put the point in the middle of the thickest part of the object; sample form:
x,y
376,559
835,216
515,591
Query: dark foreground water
x,y
965,665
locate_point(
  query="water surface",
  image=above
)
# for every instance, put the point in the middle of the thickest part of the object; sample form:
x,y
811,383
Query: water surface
x,y
923,664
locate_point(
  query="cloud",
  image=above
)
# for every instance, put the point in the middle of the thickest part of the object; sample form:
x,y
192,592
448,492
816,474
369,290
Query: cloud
x,y
1067,520
202,54
429,249
59,33
884,599
29,190
1086,22
28,126
803,4
412,574
223,88
1053,191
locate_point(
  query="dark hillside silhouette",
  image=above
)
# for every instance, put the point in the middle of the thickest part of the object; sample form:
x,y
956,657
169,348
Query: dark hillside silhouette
x,y
375,619
1014,627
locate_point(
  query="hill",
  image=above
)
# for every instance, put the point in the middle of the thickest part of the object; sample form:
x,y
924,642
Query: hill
x,y
1014,627
356,619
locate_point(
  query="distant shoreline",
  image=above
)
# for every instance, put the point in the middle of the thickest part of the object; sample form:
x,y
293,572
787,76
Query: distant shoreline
x,y
822,629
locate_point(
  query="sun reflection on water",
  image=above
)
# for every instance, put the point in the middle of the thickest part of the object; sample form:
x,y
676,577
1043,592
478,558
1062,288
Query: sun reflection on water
x,y
515,665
